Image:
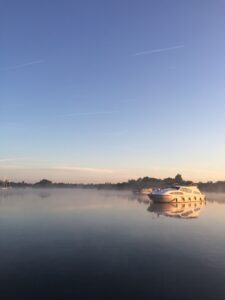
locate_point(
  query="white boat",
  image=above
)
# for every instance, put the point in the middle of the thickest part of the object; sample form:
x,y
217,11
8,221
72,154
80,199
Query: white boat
x,y
177,193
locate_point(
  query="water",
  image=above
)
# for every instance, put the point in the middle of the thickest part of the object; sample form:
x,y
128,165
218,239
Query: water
x,y
88,244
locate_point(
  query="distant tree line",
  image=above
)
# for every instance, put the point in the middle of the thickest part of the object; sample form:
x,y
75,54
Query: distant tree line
x,y
132,184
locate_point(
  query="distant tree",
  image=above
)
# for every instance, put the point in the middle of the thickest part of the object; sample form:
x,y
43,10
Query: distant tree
x,y
168,181
178,178
189,182
44,183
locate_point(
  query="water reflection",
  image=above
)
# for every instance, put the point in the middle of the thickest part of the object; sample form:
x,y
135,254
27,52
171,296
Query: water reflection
x,y
143,199
57,242
177,210
216,197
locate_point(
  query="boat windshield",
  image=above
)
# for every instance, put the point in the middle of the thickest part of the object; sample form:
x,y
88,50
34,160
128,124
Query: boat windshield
x,y
175,187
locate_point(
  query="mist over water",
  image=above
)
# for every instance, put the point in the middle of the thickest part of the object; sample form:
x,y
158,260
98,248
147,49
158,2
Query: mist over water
x,y
89,244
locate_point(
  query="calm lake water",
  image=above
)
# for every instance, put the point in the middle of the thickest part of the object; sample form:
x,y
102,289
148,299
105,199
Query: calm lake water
x,y
89,244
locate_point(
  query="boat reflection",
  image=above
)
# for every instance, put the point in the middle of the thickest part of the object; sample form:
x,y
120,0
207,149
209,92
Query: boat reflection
x,y
143,199
177,210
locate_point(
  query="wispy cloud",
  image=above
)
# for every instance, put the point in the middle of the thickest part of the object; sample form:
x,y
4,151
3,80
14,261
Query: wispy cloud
x,y
82,169
34,62
159,50
11,163
4,160
90,113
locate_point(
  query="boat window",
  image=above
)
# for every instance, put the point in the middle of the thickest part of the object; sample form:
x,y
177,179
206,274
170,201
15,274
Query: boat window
x,y
186,190
176,193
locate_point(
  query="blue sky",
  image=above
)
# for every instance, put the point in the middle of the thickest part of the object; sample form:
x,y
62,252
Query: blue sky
x,y
110,90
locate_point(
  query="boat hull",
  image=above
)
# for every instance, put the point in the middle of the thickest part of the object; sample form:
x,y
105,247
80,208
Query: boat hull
x,y
171,198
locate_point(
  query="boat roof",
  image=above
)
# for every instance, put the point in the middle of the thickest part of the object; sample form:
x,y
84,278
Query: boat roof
x,y
194,187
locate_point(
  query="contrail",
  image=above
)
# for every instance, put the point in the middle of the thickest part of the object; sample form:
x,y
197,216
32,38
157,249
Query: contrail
x,y
159,50
90,113
35,62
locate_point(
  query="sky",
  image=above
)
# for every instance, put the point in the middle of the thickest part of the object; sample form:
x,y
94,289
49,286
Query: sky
x,y
99,91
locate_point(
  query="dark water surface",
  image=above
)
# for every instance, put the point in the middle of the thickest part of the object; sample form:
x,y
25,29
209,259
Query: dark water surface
x,y
88,244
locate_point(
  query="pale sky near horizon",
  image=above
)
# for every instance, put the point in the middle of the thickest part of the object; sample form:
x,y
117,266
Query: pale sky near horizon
x,y
96,91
